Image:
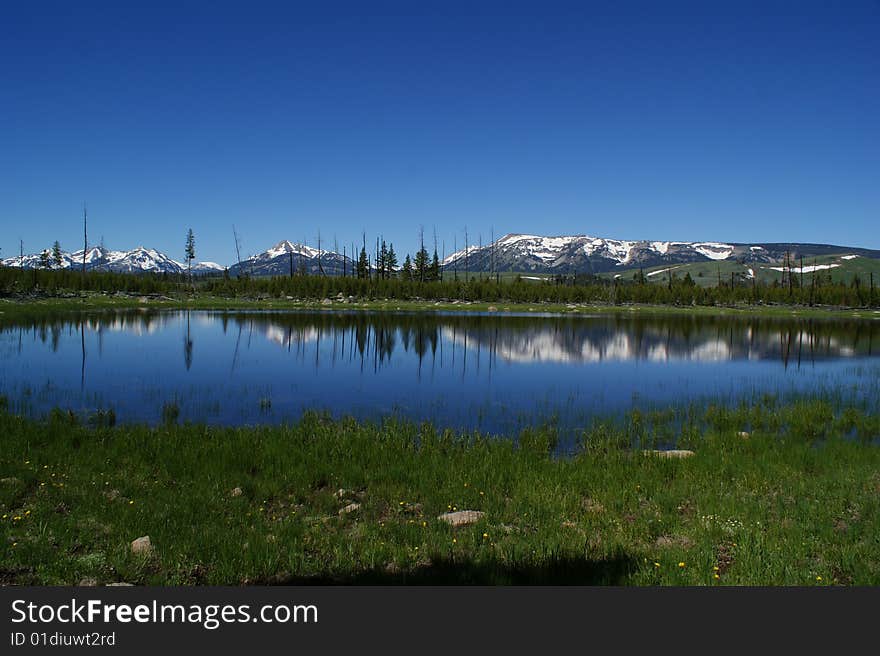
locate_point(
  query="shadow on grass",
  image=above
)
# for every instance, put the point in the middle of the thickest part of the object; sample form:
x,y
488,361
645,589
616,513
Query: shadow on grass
x,y
563,571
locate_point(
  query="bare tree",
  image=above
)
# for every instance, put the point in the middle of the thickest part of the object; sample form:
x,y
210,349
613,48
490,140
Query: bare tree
x,y
437,273
85,244
492,251
422,253
465,254
237,249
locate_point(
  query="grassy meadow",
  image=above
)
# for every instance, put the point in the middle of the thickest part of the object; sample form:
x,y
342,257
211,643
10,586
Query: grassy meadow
x,y
842,268
776,493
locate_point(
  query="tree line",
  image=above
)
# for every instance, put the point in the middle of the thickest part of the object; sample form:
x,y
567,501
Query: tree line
x,y
429,285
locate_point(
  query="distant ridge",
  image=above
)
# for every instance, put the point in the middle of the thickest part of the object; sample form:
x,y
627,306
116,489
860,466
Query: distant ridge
x,y
586,254
510,253
98,258
287,256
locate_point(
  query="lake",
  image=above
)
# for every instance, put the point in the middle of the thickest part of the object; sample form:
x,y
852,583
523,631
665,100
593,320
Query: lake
x,y
494,372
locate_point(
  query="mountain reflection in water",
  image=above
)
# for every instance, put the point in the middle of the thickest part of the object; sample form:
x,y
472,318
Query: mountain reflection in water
x,y
465,370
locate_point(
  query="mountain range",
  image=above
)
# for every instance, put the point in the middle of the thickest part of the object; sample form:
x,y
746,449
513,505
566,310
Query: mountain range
x,y
513,252
286,257
585,254
98,258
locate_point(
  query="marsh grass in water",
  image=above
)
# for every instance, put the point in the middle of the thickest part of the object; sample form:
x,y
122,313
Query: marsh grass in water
x,y
776,494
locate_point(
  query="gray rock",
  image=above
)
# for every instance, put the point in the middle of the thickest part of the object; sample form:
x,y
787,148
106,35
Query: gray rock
x,y
462,517
236,492
142,545
671,453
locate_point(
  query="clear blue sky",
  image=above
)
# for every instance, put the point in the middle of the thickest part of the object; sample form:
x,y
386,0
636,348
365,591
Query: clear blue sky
x,y
659,120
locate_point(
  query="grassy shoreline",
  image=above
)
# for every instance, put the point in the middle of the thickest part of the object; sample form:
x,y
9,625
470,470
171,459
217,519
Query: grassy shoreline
x,y
324,501
27,307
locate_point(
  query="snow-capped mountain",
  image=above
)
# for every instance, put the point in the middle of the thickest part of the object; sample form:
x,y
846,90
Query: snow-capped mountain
x,y
286,255
98,258
207,267
586,254
513,252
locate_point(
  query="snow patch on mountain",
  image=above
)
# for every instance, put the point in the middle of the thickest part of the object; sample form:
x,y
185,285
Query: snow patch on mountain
x,y
284,247
713,250
208,266
449,259
657,273
806,269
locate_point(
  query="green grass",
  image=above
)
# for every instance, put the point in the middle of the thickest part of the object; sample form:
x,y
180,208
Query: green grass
x,y
706,274
795,503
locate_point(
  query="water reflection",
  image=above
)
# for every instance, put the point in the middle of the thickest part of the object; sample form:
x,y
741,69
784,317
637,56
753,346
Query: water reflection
x,y
462,369
375,338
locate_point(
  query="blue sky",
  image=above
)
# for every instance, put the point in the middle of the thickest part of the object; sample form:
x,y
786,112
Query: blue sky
x,y
685,121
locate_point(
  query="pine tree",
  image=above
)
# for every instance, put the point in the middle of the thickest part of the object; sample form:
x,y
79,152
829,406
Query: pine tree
x,y
57,257
382,261
391,261
190,252
407,268
363,267
421,261
421,265
44,259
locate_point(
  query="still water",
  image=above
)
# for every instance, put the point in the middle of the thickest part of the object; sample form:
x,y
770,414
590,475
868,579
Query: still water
x,y
491,372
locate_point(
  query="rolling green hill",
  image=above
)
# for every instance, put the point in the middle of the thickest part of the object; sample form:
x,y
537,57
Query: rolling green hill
x,y
840,268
